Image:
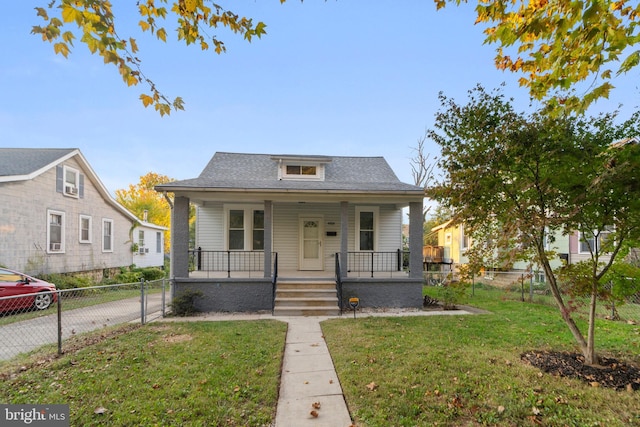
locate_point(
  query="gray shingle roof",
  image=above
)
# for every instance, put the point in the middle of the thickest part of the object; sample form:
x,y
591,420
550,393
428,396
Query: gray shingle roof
x,y
24,161
260,172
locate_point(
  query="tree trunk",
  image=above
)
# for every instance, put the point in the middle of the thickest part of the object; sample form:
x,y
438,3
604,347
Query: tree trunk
x,y
590,357
564,311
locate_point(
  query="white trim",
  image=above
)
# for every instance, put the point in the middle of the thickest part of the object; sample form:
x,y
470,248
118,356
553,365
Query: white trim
x,y
376,228
90,229
59,246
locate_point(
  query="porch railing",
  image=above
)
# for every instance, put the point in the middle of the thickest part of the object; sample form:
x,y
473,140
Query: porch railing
x,y
375,262
339,281
274,283
226,261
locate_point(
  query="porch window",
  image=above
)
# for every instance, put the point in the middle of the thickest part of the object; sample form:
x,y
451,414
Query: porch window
x,y
366,219
55,232
245,228
258,230
236,229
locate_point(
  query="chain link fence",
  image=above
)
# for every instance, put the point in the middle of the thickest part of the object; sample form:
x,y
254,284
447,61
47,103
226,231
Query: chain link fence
x,y
28,322
533,287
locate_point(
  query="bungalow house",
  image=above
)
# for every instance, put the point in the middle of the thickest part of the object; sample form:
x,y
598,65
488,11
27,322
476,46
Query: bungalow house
x,y
57,217
296,234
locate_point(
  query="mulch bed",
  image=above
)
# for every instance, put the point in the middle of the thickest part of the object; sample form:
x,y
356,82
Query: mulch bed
x,y
609,373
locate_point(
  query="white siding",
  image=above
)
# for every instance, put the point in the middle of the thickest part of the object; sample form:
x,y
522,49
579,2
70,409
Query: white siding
x,y
210,227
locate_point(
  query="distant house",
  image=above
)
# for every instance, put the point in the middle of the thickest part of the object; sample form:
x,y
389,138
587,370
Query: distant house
x,y
57,217
300,234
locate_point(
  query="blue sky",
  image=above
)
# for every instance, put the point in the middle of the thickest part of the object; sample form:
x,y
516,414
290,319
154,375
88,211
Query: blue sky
x,y
346,77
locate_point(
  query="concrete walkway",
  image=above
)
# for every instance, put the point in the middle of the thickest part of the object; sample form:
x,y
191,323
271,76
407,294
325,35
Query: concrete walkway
x,y
308,380
310,392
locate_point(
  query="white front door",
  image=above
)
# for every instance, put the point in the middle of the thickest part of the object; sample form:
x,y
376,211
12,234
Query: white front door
x,y
311,244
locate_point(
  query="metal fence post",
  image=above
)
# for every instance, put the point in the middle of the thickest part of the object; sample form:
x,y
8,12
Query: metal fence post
x,y
59,323
164,293
142,313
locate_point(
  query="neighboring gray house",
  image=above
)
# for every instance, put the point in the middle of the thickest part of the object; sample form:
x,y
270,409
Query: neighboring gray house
x,y
57,217
276,231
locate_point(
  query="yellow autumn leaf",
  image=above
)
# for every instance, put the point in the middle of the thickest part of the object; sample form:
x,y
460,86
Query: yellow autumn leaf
x,y
146,100
69,14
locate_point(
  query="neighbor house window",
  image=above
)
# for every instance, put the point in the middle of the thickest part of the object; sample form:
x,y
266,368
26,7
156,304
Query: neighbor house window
x,y
366,219
158,242
85,229
141,238
465,240
588,242
71,181
107,235
55,231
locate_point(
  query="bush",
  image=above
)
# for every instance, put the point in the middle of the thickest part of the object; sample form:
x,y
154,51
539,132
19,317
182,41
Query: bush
x,y
183,303
152,273
68,281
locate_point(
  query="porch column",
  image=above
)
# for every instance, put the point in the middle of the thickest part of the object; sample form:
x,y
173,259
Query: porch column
x,y
415,240
268,233
344,238
180,237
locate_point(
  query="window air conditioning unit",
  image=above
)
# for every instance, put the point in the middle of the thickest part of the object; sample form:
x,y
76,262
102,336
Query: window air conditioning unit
x,y
141,251
146,250
71,189
55,246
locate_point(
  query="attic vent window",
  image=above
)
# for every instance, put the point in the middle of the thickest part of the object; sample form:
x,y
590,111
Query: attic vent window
x,y
301,170
298,171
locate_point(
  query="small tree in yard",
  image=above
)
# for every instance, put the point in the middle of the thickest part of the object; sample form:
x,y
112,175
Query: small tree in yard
x,y
537,175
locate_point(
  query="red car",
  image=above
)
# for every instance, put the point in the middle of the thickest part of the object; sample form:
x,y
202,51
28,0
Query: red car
x,y
41,294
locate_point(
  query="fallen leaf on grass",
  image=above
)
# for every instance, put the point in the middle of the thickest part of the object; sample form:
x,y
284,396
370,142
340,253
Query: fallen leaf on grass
x,y
100,410
372,386
500,409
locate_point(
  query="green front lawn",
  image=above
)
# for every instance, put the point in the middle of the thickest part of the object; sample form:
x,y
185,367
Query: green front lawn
x,y
466,370
165,374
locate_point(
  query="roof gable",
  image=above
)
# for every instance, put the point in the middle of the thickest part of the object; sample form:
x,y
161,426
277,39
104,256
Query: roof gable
x,y
261,172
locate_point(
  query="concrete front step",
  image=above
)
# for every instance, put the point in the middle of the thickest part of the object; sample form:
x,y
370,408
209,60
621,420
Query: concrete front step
x,y
307,285
306,293
306,298
307,302
306,311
